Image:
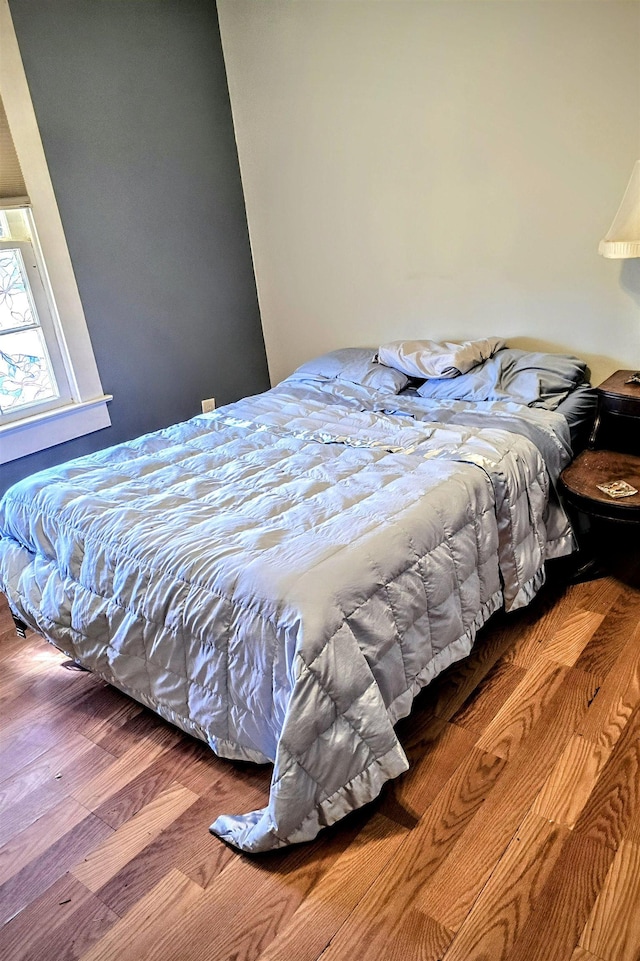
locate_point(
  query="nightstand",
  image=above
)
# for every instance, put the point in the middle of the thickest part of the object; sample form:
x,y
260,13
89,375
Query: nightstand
x,y
614,446
617,424
579,484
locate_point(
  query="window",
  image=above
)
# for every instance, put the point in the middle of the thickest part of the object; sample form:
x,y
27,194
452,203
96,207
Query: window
x,y
50,390
32,375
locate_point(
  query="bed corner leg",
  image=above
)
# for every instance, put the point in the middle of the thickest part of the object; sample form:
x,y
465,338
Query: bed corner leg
x,y
21,627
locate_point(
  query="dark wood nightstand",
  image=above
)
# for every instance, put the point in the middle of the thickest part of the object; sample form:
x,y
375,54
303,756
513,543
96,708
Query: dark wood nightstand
x,y
617,424
579,484
612,455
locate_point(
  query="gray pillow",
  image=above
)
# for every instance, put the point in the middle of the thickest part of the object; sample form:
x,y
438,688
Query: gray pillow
x,y
526,377
355,365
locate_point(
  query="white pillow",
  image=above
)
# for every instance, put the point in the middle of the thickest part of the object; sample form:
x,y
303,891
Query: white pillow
x,y
437,359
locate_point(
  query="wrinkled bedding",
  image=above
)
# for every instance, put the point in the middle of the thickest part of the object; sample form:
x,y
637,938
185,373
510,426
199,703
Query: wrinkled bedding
x,y
280,577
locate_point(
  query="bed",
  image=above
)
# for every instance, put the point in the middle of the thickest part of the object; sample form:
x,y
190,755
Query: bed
x,y
280,577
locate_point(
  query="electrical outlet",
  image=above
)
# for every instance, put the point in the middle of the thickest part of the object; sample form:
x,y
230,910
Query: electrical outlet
x,y
208,405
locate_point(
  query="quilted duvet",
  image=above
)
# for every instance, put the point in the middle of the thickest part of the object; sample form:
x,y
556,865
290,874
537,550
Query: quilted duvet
x,y
279,578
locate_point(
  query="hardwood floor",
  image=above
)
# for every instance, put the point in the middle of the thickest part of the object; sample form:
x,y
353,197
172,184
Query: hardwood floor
x,y
514,835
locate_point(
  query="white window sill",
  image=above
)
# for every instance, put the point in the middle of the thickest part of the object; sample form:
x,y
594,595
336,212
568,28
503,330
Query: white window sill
x,y
40,431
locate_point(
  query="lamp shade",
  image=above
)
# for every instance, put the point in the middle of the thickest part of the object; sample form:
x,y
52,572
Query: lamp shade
x,y
623,236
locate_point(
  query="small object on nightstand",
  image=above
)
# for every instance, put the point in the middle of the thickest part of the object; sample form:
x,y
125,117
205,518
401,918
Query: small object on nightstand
x,y
634,379
617,489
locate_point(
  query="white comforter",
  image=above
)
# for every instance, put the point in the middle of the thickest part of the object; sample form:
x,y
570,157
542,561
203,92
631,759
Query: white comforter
x,y
280,577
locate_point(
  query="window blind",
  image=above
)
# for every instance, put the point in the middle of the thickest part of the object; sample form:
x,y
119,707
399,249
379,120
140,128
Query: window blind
x,y
12,186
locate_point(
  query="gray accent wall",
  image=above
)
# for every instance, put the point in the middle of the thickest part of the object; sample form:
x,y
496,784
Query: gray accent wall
x,y
133,108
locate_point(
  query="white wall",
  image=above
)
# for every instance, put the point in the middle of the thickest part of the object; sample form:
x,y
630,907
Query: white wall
x,y
437,169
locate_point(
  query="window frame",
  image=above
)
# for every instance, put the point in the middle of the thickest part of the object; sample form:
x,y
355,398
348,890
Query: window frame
x,y
85,410
45,320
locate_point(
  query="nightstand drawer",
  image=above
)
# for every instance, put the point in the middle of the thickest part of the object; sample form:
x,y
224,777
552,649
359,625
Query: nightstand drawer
x,y
617,425
616,404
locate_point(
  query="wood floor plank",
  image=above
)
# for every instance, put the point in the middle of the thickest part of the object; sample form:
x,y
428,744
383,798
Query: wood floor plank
x,y
198,768
489,697
132,837
40,804
616,699
38,837
151,924
612,931
451,892
433,760
20,748
334,897
206,857
419,937
604,648
569,786
76,919
112,710
536,624
133,727
569,641
95,702
421,726
23,658
598,595
553,928
184,845
10,643
381,911
632,830
35,877
522,709
57,762
124,768
54,696
18,678
615,799
140,791
497,917
43,783
580,954
225,924
562,640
